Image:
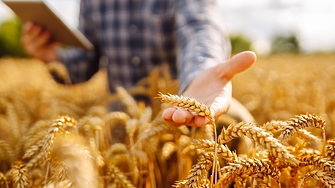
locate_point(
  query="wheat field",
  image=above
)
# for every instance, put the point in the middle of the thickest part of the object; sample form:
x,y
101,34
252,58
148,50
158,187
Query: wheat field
x,y
54,135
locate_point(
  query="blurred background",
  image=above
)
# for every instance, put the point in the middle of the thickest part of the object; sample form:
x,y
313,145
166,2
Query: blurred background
x,y
267,27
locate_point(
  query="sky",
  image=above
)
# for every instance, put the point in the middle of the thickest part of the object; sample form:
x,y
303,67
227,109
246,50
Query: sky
x,y
258,20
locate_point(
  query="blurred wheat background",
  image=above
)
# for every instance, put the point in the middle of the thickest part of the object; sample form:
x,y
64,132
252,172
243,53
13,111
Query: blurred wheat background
x,y
56,135
281,86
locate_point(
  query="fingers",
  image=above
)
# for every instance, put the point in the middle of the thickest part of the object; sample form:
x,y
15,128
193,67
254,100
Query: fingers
x,y
34,37
200,121
30,33
177,115
237,64
36,42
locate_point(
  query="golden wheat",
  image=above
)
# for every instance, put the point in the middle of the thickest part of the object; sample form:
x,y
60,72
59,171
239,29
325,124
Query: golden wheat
x,y
69,155
42,147
19,174
301,122
198,172
326,178
261,137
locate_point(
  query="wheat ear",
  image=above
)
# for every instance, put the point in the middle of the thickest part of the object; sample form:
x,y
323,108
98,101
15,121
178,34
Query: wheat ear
x,y
301,122
261,137
330,149
19,174
152,134
198,172
250,167
42,148
118,178
226,179
274,126
3,181
116,117
326,178
36,132
315,159
189,104
70,155
209,146
55,126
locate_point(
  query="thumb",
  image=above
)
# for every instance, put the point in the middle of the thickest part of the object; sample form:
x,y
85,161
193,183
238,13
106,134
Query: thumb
x,y
237,64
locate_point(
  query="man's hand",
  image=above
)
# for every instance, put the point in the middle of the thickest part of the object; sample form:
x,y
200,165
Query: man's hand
x,y
213,88
37,43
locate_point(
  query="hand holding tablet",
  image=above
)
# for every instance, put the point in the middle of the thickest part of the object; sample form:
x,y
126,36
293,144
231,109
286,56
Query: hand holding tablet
x,y
38,12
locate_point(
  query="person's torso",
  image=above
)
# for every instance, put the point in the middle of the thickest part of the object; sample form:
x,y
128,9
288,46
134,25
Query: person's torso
x,y
134,36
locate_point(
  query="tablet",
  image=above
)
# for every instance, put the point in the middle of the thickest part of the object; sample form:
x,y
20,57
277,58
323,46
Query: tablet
x,y
37,11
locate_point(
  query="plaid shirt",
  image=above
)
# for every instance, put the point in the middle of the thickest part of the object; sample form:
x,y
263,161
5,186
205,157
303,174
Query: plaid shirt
x,y
133,36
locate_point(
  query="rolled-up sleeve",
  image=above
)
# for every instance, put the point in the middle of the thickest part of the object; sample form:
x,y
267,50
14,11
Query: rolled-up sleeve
x,y
81,64
202,39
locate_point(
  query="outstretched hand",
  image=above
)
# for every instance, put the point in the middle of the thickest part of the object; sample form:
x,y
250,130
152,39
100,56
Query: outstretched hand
x,y
213,88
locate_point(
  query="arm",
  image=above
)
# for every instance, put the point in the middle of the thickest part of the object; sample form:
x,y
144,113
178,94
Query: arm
x,y
205,72
203,41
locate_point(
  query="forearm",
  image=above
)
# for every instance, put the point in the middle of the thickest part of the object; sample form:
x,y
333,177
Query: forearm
x,y
203,42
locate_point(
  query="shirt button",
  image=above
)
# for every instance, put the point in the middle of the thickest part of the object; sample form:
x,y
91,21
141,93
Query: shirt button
x,y
133,28
135,60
